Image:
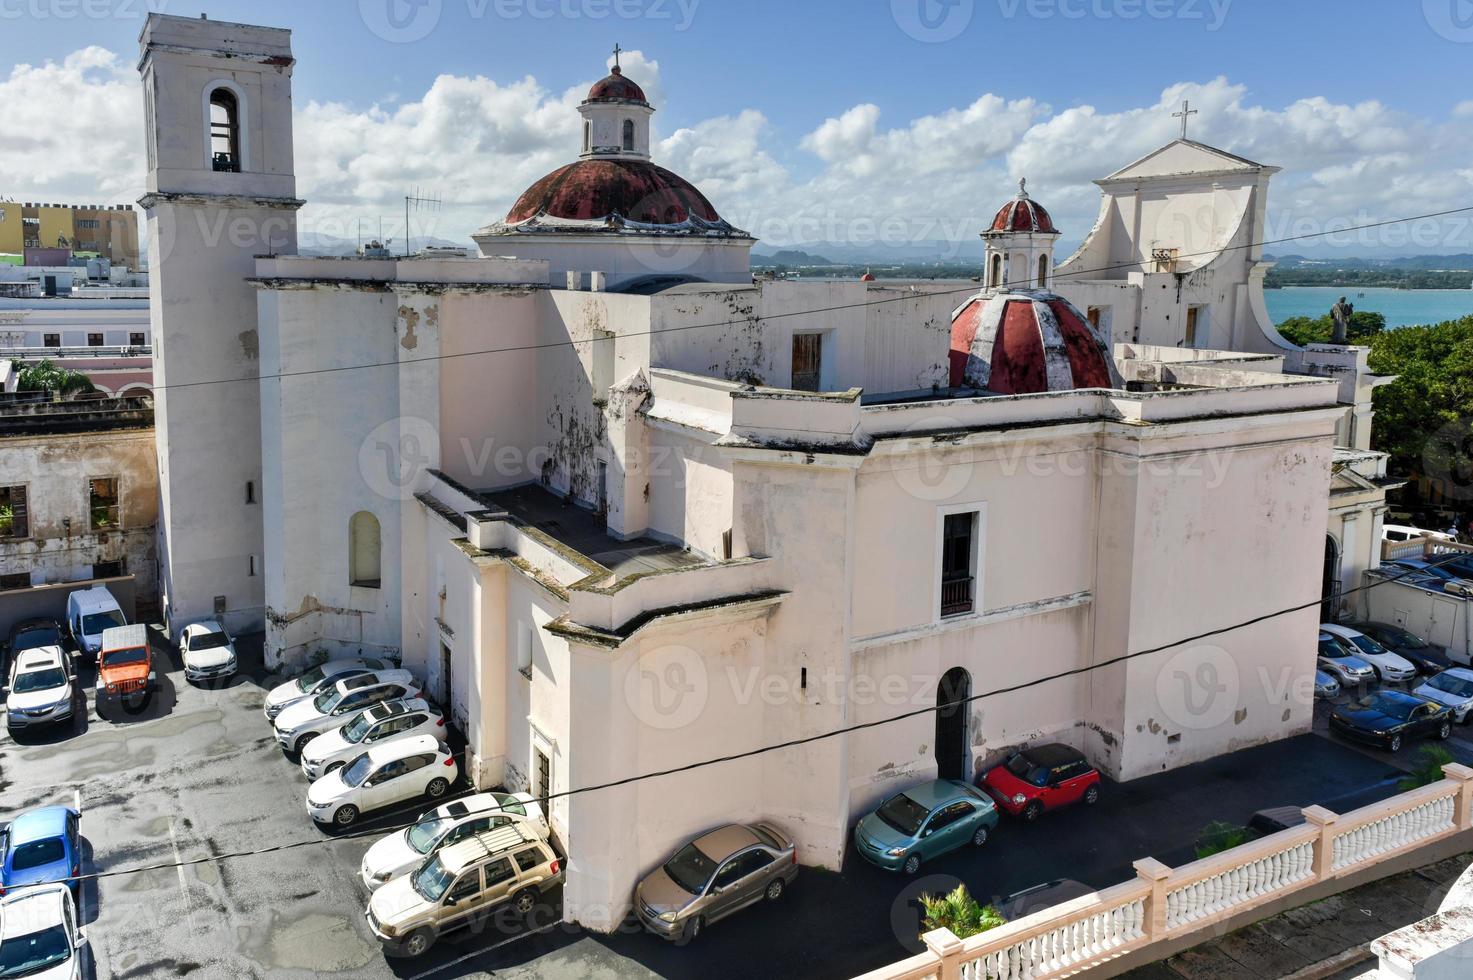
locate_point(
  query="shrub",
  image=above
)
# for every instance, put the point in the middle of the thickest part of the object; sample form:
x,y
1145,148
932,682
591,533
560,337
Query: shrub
x,y
959,912
1220,836
1428,770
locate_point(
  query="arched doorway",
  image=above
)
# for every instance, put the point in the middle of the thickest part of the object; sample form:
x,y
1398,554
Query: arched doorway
x,y
1330,591
951,724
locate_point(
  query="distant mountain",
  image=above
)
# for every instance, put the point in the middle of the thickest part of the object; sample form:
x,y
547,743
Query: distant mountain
x,y
1462,262
788,256
310,243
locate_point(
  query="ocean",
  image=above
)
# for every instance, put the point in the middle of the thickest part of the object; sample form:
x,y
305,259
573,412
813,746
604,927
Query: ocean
x,y
1401,307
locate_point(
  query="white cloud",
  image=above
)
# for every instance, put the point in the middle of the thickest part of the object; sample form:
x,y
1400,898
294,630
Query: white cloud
x,y
479,142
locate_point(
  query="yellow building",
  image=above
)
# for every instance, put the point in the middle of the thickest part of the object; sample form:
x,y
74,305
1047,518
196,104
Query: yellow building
x,y
109,231
12,237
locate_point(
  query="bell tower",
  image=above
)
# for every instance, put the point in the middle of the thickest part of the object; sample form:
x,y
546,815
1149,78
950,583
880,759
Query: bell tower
x,y
221,191
1019,247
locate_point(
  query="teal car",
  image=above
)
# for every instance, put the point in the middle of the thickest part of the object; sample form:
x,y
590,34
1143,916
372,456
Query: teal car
x,y
924,822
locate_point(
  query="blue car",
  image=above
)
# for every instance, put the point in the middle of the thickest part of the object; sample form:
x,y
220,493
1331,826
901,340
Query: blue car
x,y
924,822
41,845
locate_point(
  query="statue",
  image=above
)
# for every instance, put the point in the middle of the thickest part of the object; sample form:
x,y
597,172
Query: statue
x,y
1341,312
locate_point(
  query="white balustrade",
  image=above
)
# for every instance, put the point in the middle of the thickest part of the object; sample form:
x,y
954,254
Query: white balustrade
x,y
1243,883
1393,831
1056,949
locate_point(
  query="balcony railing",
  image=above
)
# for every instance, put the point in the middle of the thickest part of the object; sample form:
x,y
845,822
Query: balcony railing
x,y
1166,903
956,595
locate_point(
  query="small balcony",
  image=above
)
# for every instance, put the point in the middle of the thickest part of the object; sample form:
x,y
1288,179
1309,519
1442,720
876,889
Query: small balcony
x,y
956,595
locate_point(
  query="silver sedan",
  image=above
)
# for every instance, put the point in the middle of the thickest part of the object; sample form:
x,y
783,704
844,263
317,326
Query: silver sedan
x,y
713,876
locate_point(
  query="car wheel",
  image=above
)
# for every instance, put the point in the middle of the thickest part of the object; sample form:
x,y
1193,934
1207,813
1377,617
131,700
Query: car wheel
x,y
301,743
1092,795
1395,744
775,889
436,788
1444,730
333,767
693,929
979,836
912,864
1033,811
419,942
346,815
524,901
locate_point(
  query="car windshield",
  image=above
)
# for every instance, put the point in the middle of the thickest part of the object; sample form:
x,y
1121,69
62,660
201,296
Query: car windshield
x,y
354,730
1403,638
35,636
95,623
431,879
510,804
1389,706
40,680
123,658
425,834
1027,770
355,772
1368,645
37,854
1329,648
36,951
209,641
1457,686
902,813
309,681
690,868
327,700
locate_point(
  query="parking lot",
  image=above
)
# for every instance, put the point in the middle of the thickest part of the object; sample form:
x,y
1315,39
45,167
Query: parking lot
x,y
197,774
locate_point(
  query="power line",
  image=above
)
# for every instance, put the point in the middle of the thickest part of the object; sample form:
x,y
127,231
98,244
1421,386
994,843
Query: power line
x,y
543,801
972,287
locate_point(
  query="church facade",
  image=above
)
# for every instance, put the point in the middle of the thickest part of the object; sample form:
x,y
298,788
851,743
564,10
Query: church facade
x,y
623,509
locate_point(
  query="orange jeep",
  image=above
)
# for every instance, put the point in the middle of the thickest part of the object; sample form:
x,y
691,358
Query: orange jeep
x,y
125,663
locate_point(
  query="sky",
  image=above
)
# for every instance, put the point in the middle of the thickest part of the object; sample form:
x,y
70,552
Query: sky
x,y
859,124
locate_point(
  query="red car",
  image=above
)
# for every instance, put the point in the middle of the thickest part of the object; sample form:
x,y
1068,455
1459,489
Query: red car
x,y
1044,777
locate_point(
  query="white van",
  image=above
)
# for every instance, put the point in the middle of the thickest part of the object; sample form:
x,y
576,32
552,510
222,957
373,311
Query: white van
x,y
1405,532
88,613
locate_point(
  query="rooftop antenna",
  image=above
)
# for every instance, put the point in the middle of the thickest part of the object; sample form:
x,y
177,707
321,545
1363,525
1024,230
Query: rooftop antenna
x,y
420,202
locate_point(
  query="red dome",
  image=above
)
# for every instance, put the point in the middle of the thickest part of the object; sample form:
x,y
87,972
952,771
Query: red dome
x,y
1023,343
600,188
616,88
1023,214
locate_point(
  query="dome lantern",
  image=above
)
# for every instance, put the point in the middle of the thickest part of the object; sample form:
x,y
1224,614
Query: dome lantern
x,y
1019,250
616,118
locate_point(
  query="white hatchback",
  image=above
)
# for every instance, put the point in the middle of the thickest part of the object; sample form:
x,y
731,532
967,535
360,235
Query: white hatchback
x,y
315,681
404,850
299,723
384,775
1388,666
40,937
336,747
208,651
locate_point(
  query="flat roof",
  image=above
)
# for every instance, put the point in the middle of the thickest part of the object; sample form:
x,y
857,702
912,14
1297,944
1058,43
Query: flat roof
x,y
583,531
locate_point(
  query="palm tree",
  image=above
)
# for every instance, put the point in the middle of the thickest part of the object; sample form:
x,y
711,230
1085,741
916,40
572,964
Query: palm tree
x,y
959,912
1428,770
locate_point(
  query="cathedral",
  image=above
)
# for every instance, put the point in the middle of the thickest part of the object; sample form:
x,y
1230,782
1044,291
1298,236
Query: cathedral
x,y
622,508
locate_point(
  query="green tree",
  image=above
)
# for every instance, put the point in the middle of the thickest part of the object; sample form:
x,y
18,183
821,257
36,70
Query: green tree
x,y
49,376
960,912
1220,836
1303,330
1428,770
1423,418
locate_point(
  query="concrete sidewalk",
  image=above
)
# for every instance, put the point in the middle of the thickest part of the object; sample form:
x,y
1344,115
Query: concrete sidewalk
x,y
1325,939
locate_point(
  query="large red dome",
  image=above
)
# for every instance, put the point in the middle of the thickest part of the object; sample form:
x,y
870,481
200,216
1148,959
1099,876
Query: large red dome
x,y
601,188
616,88
1025,342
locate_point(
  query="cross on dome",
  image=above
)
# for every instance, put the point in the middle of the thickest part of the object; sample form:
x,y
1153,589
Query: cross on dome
x,y
617,51
1186,110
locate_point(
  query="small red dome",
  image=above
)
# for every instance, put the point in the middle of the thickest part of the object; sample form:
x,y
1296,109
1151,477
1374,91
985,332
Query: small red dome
x,y
616,88
1022,343
1023,214
867,277
600,188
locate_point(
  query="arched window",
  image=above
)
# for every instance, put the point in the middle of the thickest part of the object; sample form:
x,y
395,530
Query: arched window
x,y
629,134
995,279
587,135
225,131
1042,271
364,551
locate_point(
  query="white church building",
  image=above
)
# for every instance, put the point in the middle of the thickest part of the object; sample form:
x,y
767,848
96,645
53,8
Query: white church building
x,y
624,509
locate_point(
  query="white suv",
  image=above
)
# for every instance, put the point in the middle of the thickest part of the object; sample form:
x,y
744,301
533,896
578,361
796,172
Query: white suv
x,y
382,776
336,747
208,652
40,691
315,681
302,722
405,850
39,935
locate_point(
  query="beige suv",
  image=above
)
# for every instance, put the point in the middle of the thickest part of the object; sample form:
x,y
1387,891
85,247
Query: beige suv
x,y
461,886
